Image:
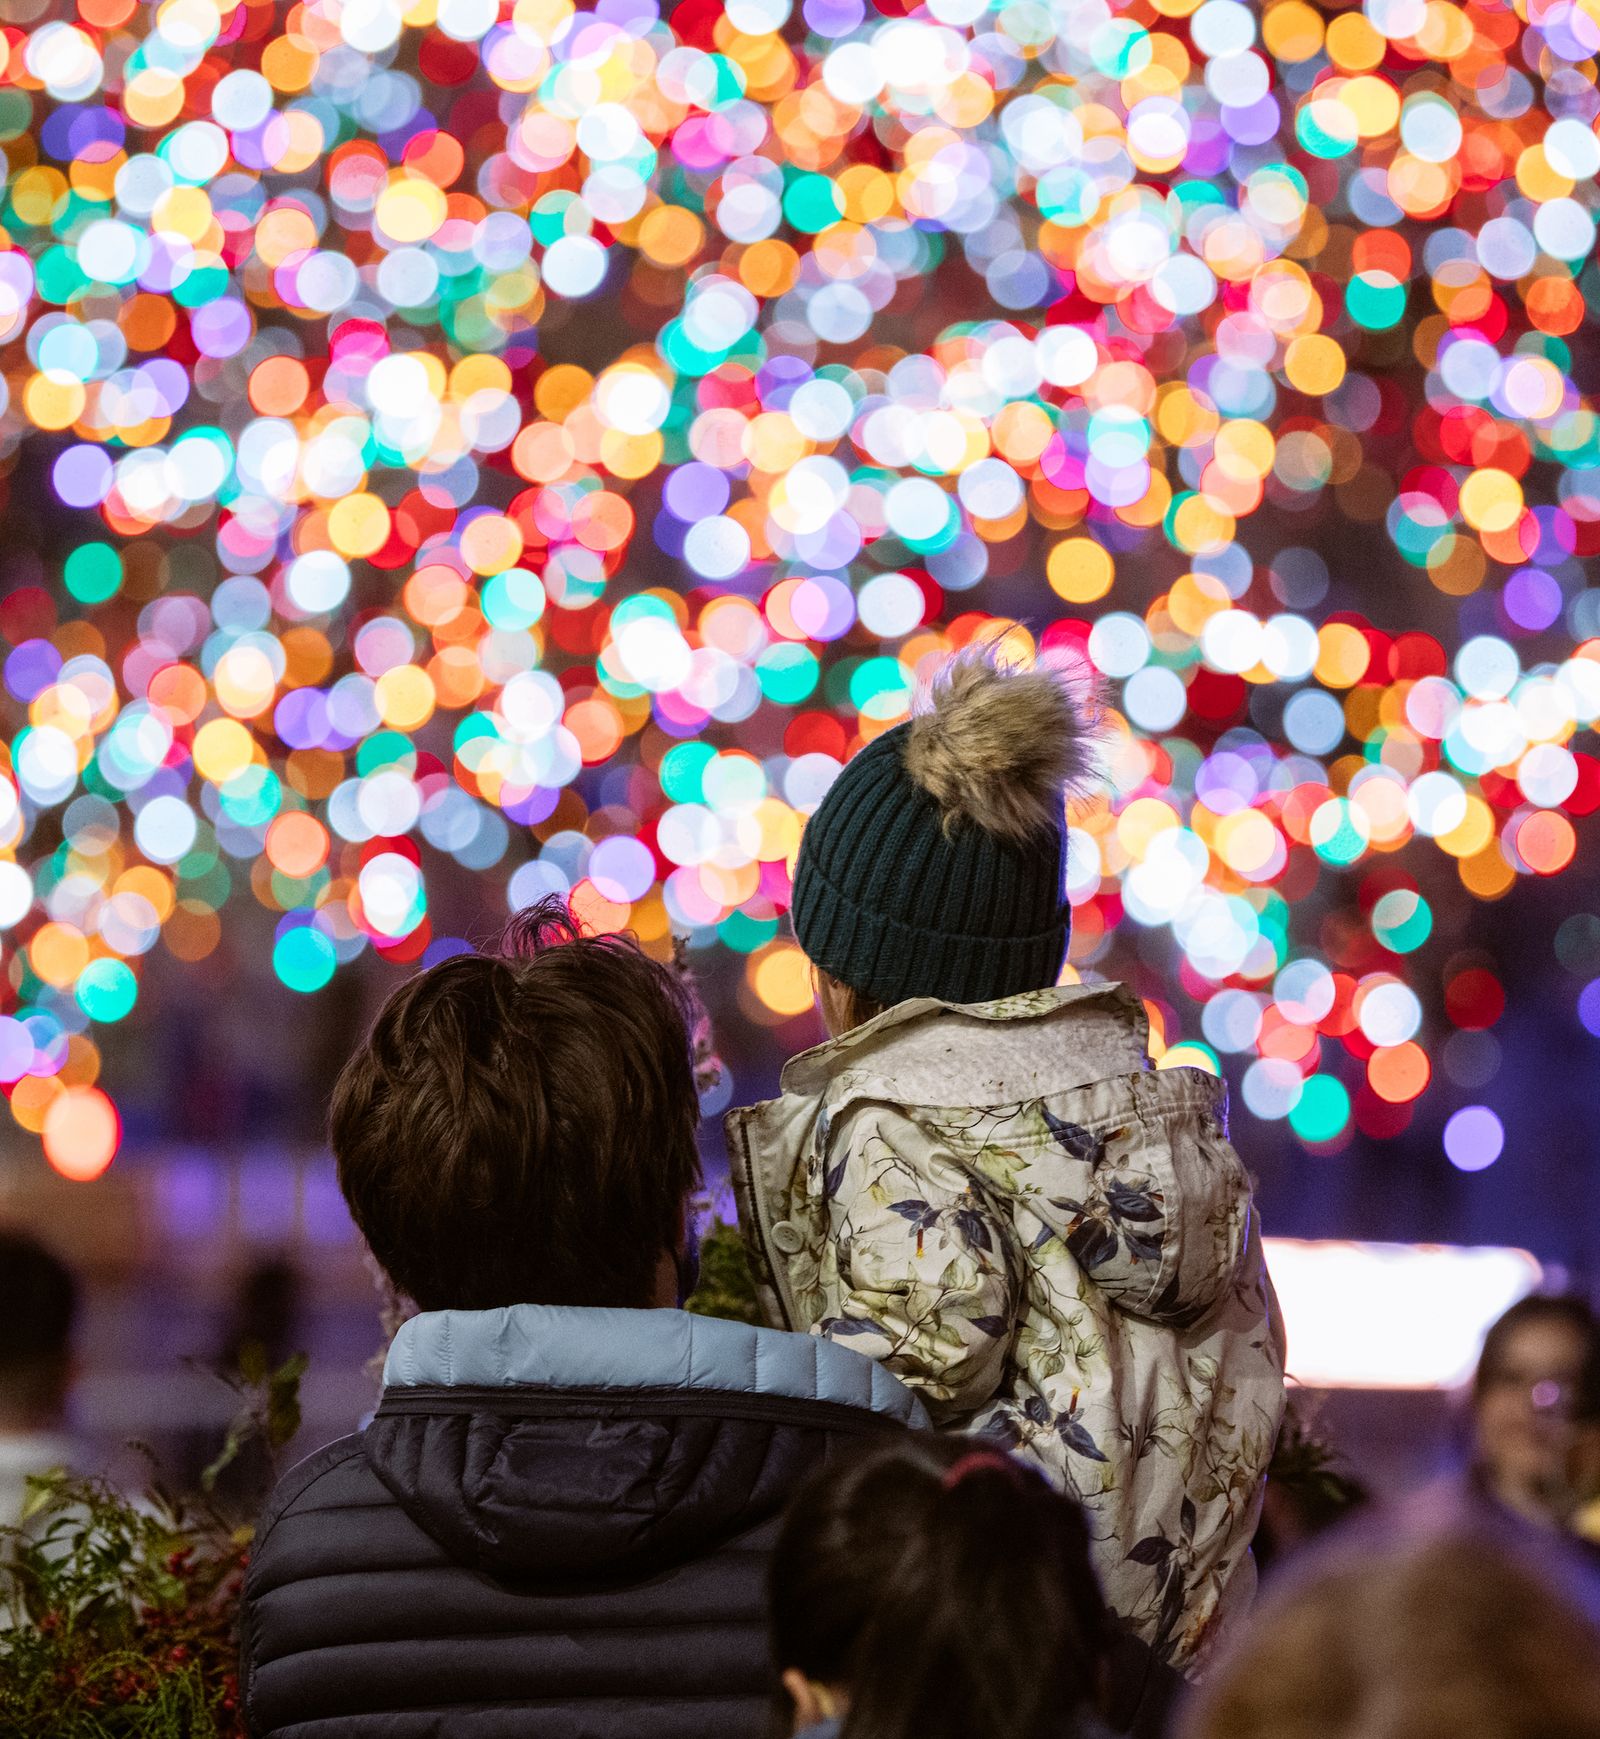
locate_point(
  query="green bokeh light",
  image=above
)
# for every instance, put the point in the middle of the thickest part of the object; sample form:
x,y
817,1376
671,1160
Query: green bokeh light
x,y
106,990
1402,921
304,958
514,599
787,673
683,771
93,573
1323,1110
812,203
744,933
1375,300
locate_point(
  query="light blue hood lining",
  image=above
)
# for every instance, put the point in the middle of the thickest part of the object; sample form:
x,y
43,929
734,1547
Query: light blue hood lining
x,y
558,1347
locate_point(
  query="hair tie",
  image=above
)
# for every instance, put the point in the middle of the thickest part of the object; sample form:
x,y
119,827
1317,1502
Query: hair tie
x,y
980,1461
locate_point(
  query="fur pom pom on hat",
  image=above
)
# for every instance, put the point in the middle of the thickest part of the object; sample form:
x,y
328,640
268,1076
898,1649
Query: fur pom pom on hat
x,y
1004,746
935,864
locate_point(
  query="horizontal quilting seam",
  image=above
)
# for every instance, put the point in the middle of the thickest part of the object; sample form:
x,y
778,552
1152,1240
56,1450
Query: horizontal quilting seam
x,y
430,1569
434,1567
339,1509
343,1723
720,1621
351,1452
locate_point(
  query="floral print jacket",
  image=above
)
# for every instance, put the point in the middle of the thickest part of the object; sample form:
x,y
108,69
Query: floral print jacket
x,y
1054,1244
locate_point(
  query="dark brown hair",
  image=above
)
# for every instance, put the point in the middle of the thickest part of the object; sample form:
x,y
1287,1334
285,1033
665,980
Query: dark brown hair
x,y
947,1587
519,1127
1568,1311
1437,1637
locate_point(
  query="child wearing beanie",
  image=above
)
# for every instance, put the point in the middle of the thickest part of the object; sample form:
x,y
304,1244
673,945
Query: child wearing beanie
x,y
981,1182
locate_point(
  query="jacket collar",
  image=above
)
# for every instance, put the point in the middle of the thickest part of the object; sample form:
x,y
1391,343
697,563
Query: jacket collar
x,y
880,1040
558,1347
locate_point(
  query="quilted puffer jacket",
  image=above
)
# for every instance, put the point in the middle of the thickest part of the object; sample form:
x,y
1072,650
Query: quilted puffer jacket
x,y
557,1526
1053,1243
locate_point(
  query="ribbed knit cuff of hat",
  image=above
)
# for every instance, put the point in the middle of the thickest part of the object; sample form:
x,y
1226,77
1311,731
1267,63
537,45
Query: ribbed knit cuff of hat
x,y
889,960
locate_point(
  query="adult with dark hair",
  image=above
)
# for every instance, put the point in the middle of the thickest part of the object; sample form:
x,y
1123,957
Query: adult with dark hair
x,y
38,1320
558,1522
1536,1411
935,1588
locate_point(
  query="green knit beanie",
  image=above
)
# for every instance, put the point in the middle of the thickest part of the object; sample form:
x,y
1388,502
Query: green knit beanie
x,y
935,864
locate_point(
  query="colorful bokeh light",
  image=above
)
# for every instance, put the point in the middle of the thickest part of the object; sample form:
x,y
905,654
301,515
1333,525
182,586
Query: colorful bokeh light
x,y
555,439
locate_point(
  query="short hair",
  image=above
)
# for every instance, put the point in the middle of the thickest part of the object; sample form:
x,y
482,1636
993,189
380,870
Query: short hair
x,y
1434,1635
947,1586
38,1319
519,1126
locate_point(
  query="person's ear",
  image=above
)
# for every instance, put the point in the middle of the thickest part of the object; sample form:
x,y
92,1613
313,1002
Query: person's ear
x,y
807,1699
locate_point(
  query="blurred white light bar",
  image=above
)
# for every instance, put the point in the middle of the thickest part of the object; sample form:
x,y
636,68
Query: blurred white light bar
x,y
1391,1316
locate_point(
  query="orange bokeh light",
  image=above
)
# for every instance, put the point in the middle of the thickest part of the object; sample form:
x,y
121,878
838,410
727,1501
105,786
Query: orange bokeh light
x,y
81,1133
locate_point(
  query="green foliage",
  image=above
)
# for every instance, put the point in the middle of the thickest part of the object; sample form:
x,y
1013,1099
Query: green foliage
x,y
1307,1468
269,1411
727,1288
120,1619
118,1615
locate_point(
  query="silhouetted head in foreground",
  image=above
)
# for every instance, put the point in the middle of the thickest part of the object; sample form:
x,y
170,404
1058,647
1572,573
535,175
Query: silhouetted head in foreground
x,y
937,1589
1450,1635
38,1319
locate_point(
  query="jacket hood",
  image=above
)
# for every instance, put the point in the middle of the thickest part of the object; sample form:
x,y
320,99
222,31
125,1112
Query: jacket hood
x,y
537,1442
